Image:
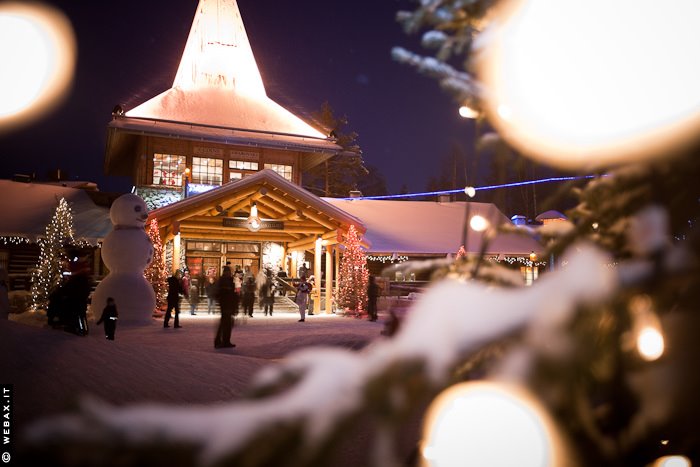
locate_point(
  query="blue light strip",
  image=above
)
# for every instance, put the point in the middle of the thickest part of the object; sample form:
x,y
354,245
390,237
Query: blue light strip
x,y
461,190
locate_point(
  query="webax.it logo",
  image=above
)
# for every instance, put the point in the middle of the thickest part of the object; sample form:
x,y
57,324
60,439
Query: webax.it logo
x,y
6,403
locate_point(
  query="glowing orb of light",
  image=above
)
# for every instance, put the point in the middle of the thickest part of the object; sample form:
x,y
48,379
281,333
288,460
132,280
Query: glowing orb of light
x,y
585,84
470,191
482,423
672,461
478,223
37,52
650,343
467,112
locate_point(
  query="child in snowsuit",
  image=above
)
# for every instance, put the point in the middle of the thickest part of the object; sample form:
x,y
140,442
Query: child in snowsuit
x,y
109,316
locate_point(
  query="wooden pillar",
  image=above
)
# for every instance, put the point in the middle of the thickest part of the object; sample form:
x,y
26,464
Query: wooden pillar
x,y
284,265
294,266
176,253
329,279
337,265
317,275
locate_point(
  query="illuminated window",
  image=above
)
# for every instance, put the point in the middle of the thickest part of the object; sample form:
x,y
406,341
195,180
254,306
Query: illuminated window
x,y
283,170
168,169
239,169
207,171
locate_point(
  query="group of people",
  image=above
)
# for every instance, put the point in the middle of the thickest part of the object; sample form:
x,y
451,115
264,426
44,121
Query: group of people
x,y
237,287
68,301
232,290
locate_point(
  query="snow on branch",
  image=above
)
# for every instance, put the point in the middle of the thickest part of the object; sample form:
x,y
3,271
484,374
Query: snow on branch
x,y
453,319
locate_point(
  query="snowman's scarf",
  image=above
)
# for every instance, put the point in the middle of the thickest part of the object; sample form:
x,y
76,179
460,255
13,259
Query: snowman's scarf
x,y
127,227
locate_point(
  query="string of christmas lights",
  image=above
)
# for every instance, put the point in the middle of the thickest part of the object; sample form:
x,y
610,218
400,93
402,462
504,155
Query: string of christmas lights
x,y
353,276
47,273
15,240
482,188
387,258
156,273
517,259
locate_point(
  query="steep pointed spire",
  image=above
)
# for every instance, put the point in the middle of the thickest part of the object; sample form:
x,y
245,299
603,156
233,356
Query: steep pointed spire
x,y
218,53
218,82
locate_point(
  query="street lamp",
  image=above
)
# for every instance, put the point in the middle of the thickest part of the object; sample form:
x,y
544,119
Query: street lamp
x,y
187,181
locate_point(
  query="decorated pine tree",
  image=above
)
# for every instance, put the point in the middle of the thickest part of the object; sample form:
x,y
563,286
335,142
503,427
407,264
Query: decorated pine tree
x,y
156,273
353,276
47,273
461,253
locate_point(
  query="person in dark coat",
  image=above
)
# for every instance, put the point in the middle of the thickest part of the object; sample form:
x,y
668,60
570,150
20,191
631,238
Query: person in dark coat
x,y
372,294
174,291
55,312
302,298
109,317
76,294
266,296
248,296
226,295
210,289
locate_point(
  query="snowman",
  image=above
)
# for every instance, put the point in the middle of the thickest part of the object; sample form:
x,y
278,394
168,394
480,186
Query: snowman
x,y
127,251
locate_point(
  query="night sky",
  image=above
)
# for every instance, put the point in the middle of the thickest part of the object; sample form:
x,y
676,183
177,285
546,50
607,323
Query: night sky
x,y
308,52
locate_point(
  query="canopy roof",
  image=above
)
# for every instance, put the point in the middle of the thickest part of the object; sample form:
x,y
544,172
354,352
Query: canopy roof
x,y
289,213
426,227
27,208
217,95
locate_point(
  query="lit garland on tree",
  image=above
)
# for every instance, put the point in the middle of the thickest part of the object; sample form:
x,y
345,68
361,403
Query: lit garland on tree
x,y
47,274
156,273
353,276
461,253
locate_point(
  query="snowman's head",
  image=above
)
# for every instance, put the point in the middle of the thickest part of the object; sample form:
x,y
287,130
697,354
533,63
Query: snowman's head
x,y
129,210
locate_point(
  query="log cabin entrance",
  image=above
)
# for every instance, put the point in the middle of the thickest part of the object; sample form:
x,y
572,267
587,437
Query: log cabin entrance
x,y
259,218
206,258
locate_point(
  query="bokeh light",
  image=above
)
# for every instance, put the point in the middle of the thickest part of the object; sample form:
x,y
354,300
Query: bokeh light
x,y
672,461
650,343
38,53
478,223
484,423
586,84
467,112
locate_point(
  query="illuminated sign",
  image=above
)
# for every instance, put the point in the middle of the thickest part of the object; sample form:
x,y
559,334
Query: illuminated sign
x,y
243,223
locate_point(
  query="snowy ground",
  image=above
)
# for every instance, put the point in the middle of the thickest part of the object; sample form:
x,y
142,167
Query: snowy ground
x,y
50,368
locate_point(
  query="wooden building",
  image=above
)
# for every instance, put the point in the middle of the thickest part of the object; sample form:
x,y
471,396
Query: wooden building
x,y
214,151
219,165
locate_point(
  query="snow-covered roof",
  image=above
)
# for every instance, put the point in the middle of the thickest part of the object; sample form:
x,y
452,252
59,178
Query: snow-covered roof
x,y
292,193
218,82
426,227
27,208
551,214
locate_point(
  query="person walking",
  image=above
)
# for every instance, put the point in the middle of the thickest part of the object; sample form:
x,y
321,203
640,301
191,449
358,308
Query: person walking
x,y
302,298
174,292
109,317
226,295
238,285
267,294
77,292
248,296
210,290
372,294
193,296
